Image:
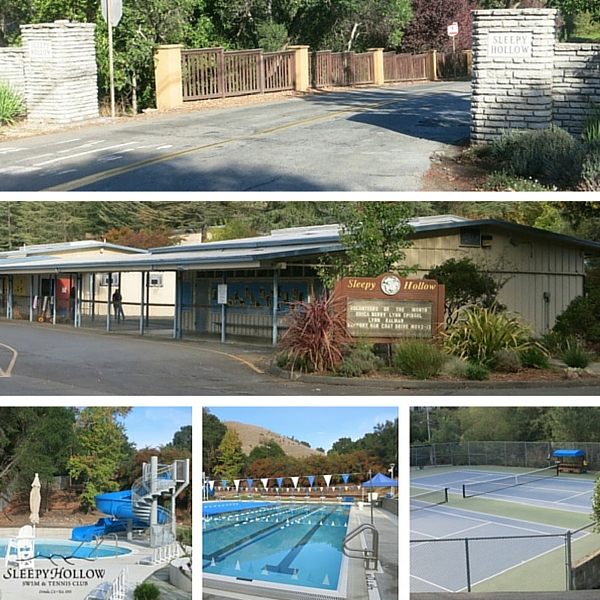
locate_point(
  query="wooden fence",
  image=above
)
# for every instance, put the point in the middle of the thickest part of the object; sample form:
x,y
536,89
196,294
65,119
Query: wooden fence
x,y
215,73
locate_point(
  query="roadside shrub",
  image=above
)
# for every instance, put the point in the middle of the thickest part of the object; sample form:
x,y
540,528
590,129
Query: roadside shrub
x,y
576,356
581,318
360,360
590,169
455,367
591,124
418,359
316,335
501,181
507,361
12,104
479,333
146,591
534,358
551,156
477,372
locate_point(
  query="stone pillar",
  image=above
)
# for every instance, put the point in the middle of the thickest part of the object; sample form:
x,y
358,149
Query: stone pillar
x,y
378,71
60,71
167,76
302,69
513,54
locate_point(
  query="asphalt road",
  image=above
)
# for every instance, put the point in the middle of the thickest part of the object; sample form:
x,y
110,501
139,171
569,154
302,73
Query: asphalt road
x,y
375,139
46,360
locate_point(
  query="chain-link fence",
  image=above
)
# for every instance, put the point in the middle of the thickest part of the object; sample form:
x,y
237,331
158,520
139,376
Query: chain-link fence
x,y
541,562
531,455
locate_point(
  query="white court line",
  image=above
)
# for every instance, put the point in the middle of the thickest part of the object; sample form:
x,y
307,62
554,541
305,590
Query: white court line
x,y
431,583
84,153
8,371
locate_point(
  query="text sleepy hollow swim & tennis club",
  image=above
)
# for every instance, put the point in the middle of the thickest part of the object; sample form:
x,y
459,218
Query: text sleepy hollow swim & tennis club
x,y
53,577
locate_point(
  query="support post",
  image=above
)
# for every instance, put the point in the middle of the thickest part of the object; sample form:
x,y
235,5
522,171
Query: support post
x,y
142,301
167,73
275,303
108,301
433,65
378,71
301,61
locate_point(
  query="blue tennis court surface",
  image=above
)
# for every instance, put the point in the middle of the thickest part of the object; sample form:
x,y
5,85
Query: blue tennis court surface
x,y
455,548
565,493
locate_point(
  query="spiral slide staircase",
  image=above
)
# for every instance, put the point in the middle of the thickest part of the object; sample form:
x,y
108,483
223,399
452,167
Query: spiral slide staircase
x,y
138,508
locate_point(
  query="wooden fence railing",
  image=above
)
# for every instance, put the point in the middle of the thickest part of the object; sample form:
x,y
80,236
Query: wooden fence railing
x,y
341,68
406,67
214,73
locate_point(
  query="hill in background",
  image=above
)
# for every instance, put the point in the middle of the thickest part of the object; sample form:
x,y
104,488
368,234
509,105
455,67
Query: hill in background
x,y
252,436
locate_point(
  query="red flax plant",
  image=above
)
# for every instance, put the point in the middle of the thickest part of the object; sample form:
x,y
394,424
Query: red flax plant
x,y
316,335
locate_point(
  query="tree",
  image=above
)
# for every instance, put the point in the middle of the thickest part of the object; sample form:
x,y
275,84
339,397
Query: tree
x,y
429,28
233,230
144,239
574,424
465,284
182,439
374,236
269,450
103,446
213,431
344,445
231,459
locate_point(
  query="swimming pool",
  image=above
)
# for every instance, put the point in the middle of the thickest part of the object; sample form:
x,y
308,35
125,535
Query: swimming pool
x,y
66,549
285,544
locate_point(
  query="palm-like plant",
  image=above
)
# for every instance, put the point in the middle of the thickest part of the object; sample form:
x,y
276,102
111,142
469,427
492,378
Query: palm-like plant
x,y
316,335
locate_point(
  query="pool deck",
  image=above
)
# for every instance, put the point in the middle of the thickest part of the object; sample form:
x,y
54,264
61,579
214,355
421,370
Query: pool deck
x,y
386,577
78,578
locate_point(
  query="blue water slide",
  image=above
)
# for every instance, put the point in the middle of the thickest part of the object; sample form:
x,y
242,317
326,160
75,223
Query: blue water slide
x,y
120,508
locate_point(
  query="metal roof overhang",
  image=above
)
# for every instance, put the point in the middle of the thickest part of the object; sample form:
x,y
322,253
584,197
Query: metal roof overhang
x,y
206,260
589,246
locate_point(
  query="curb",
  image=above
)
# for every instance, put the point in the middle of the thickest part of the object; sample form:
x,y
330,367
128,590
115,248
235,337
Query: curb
x,y
407,384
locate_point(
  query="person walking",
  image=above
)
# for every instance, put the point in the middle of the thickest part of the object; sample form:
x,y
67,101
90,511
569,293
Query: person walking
x,y
117,301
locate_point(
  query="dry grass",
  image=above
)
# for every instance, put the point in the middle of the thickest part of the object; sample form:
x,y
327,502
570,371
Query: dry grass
x,y
252,436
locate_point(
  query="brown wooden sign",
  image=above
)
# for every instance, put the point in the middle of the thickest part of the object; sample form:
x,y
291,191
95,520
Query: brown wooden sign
x,y
390,307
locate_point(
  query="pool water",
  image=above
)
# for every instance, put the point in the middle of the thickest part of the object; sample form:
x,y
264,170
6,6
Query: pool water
x,y
67,549
294,544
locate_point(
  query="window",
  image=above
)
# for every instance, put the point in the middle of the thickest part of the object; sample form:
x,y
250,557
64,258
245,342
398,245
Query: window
x,y
156,280
470,236
104,279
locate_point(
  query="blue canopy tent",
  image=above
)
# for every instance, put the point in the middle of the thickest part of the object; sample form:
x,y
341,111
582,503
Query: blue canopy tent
x,y
382,481
571,461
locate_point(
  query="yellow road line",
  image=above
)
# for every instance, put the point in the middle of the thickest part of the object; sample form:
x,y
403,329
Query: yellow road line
x,y
242,360
90,179
13,360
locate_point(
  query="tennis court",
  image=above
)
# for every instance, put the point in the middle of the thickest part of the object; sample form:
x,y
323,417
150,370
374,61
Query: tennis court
x,y
492,537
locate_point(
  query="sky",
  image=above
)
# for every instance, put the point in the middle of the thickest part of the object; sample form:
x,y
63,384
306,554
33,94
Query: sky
x,y
320,426
153,426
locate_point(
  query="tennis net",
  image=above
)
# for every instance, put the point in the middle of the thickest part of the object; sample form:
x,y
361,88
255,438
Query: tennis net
x,y
428,499
495,485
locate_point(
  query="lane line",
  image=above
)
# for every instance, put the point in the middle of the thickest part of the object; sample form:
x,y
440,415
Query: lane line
x,y
95,178
61,158
13,360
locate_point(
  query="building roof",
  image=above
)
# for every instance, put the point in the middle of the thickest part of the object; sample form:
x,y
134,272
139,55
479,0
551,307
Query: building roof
x,y
247,253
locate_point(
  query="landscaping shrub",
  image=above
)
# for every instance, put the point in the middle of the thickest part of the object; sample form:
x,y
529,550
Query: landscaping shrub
x,y
146,591
590,169
12,104
507,361
477,372
360,360
575,355
534,358
479,333
581,318
316,335
501,181
551,156
418,359
455,367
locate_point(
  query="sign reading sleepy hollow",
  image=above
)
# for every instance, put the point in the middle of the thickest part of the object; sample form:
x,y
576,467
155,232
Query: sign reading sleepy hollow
x,y
389,307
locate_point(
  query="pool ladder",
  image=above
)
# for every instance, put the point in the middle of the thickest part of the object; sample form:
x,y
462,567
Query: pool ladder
x,y
370,557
